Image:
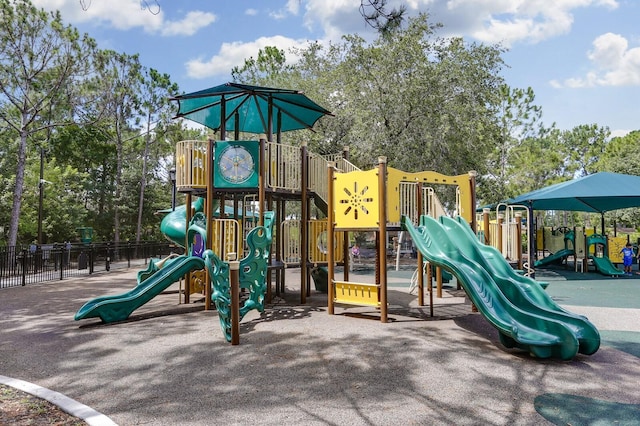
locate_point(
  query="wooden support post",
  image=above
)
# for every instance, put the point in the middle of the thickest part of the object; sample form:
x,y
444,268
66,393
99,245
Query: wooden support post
x,y
262,180
269,295
430,284
187,277
382,253
420,257
234,281
486,225
472,184
345,240
330,222
304,223
209,216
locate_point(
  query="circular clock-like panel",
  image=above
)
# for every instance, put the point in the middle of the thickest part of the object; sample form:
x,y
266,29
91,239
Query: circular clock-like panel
x,y
236,164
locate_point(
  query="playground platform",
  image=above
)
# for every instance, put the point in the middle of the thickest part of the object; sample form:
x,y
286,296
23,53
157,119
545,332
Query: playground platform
x,y
169,364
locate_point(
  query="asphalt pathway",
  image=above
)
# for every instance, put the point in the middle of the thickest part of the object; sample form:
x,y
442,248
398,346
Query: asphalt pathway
x,y
170,365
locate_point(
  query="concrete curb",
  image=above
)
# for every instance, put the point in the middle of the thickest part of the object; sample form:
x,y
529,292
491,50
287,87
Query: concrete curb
x,y
66,404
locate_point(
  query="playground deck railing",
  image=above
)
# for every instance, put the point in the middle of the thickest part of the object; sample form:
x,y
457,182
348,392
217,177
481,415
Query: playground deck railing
x,y
21,265
319,174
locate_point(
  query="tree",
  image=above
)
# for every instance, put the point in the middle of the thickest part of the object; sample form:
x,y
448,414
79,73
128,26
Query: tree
x,y
157,89
122,79
518,119
265,70
40,60
584,145
63,207
422,101
621,155
376,14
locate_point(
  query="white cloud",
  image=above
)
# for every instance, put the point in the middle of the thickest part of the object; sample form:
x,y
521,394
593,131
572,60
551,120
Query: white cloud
x,y
613,64
192,22
127,14
234,54
619,133
490,21
529,21
251,12
291,8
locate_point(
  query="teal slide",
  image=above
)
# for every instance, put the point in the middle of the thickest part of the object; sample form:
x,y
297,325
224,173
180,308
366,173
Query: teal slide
x,y
538,333
119,307
605,266
554,257
173,224
522,291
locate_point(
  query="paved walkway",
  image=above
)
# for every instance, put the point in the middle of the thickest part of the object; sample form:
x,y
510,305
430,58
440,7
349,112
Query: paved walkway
x,y
170,365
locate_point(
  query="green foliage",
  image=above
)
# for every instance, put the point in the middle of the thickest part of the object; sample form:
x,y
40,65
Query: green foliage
x,y
63,204
40,60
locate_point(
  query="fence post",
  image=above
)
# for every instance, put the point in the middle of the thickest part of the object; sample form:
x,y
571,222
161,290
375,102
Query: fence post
x,y
128,254
25,253
108,263
91,259
62,247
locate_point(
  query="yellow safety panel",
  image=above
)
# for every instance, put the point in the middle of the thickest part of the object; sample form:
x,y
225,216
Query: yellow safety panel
x,y
318,244
356,200
615,245
197,281
540,239
360,294
395,176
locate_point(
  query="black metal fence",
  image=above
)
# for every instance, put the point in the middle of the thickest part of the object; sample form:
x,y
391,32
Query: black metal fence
x,y
24,265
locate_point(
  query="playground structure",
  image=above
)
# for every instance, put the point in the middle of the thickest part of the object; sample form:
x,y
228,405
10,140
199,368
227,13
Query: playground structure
x,y
584,246
516,305
377,200
559,243
237,193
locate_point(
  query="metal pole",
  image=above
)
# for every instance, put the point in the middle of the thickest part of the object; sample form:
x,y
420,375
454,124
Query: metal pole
x,y
41,196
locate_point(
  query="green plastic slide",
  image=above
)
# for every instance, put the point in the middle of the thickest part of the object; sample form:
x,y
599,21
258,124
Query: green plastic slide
x,y
605,266
540,335
553,258
118,307
173,224
522,291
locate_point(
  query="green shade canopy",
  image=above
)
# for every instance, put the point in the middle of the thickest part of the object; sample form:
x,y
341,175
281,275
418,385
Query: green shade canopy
x,y
596,193
248,108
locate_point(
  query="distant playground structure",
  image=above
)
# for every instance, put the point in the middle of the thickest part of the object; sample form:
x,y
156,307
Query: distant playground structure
x,y
584,247
256,207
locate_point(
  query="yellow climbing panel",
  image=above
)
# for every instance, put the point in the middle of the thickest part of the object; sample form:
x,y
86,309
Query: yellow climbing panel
x,y
361,294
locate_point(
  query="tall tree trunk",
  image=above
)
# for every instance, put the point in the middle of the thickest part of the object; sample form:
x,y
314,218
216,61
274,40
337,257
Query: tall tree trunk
x,y
143,185
19,189
118,194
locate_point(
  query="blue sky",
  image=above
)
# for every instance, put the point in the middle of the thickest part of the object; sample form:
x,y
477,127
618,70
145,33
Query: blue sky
x,y
581,57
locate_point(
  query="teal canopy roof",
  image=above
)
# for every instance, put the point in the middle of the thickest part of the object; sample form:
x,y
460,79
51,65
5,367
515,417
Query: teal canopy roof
x,y
596,193
247,108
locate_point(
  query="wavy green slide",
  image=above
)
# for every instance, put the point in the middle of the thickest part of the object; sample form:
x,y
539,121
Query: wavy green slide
x,y
118,307
539,334
522,291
